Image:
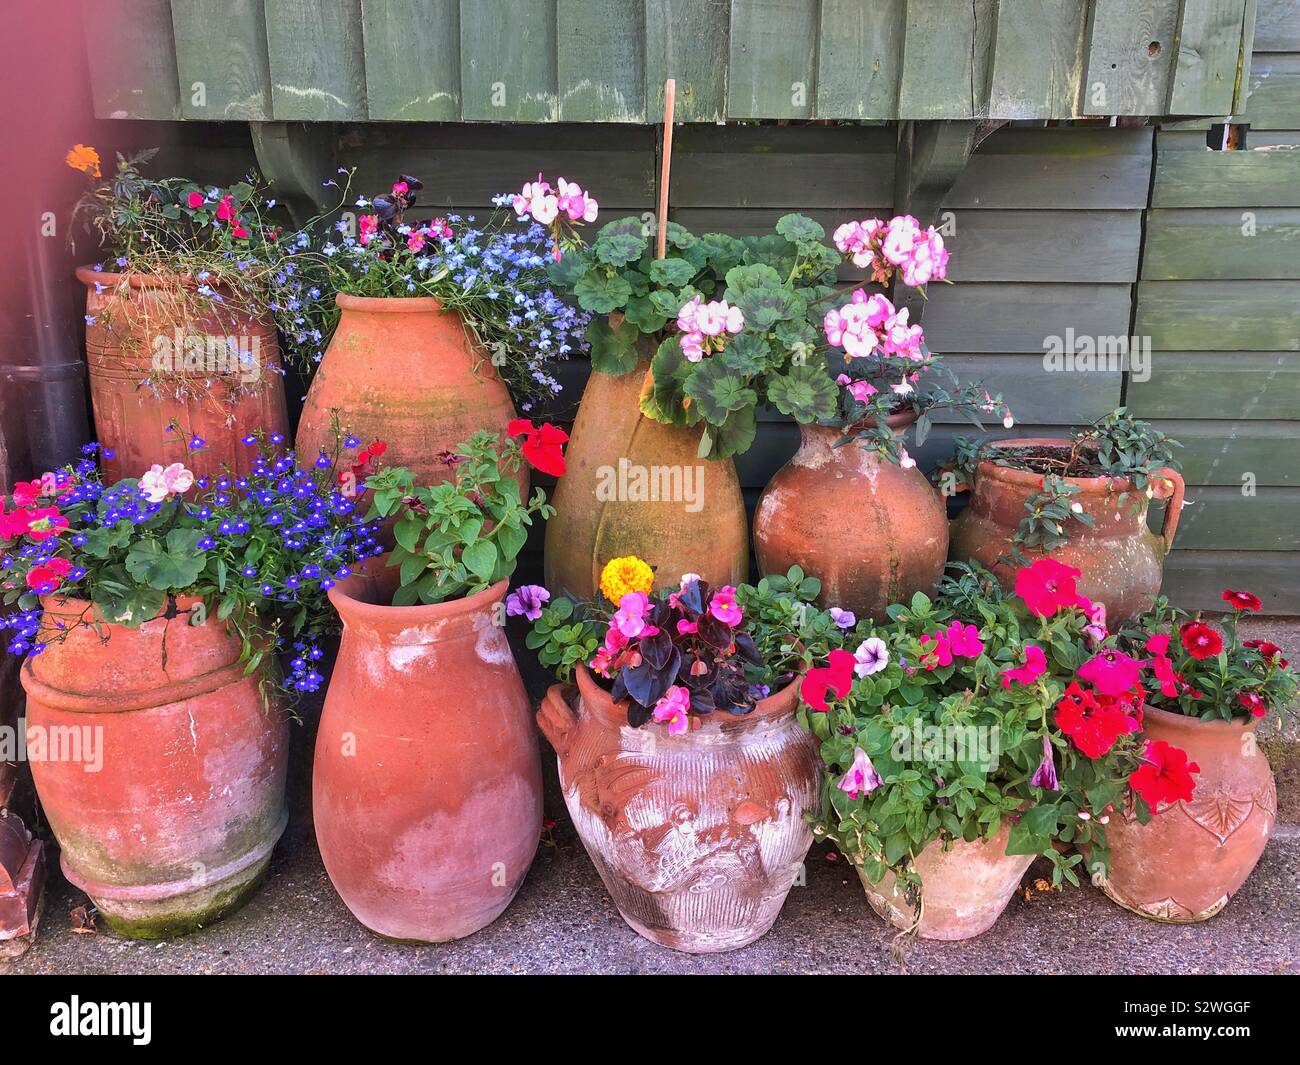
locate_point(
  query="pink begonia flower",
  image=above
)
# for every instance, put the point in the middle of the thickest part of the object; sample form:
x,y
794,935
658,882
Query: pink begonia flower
x,y
416,240
871,656
400,188
724,607
578,205
674,709
1111,672
1045,775
367,227
1035,666
686,628
630,618
862,778
157,483
857,238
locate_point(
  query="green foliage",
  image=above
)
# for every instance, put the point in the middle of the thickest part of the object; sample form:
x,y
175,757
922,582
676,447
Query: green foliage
x,y
563,638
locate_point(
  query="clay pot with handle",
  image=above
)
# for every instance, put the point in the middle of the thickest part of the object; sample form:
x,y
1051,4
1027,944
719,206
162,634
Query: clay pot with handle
x,y
1121,561
698,838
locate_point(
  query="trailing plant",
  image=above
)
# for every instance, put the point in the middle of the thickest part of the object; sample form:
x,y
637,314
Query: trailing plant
x,y
463,535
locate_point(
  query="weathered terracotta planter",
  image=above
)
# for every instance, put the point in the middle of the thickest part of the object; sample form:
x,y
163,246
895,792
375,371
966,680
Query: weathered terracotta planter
x,y
404,371
170,798
427,788
698,838
1189,860
1120,560
139,328
872,532
601,514
963,890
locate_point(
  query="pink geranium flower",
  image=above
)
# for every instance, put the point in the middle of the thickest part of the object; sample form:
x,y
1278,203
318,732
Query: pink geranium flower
x,y
159,482
47,576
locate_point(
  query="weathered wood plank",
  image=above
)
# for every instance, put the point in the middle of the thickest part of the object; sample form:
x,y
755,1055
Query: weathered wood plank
x,y
1195,580
1277,26
318,68
1220,315
1129,54
1233,453
947,59
772,64
859,59
1064,245
1209,45
131,48
1219,516
412,53
1219,384
223,75
1256,178
507,61
1274,101
600,60
1037,59
1222,243
687,40
997,317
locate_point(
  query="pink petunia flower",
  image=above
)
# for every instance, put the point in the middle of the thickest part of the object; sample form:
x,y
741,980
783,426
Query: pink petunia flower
x,y
862,778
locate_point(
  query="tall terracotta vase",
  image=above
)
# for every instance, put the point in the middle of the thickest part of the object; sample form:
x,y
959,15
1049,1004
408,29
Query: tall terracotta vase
x,y
1120,560
871,531
1192,857
404,371
427,788
964,889
173,797
698,838
635,486
217,377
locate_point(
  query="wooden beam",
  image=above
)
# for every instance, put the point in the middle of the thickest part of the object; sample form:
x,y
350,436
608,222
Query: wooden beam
x,y
296,158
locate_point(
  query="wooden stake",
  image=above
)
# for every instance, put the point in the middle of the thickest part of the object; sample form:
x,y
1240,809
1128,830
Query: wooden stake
x,y
665,166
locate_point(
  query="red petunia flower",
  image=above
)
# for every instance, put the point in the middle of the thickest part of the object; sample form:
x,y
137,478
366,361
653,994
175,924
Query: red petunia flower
x,y
1253,702
1200,640
1269,650
543,446
1094,724
836,677
1242,600
1047,586
1165,775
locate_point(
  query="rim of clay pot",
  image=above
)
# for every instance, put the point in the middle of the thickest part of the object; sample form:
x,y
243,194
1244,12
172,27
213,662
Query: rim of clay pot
x,y
779,704
1027,479
1182,721
88,276
366,574
387,304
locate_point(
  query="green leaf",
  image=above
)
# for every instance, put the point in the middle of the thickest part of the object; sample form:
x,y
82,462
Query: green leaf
x,y
717,391
734,436
612,351
798,228
131,606
671,271
806,393
511,540
481,559
407,531
170,566
642,313
724,251
746,354
601,292
572,265
620,242
670,370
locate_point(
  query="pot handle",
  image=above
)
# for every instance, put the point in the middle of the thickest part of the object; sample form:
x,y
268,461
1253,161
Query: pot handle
x,y
556,717
1174,510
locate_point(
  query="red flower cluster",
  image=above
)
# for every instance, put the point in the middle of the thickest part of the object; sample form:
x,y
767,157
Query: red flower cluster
x,y
543,445
1165,775
363,467
1094,721
1271,651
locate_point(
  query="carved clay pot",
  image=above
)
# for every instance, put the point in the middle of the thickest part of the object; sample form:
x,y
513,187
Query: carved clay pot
x,y
404,371
610,501
168,818
872,532
1190,859
963,889
1120,560
427,786
698,838
139,327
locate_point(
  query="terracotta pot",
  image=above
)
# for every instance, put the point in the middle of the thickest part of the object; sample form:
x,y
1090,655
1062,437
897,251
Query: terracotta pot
x,y
872,532
427,787
963,889
600,513
404,371
1190,859
1120,560
698,838
168,816
138,325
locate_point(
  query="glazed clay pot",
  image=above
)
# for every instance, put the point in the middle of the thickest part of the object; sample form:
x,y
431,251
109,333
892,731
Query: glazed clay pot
x,y
600,514
404,371
963,889
1190,859
137,327
1121,562
427,787
168,818
872,532
698,838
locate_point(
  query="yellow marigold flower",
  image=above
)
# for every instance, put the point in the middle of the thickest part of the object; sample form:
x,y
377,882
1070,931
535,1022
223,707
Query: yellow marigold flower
x,y
84,159
623,575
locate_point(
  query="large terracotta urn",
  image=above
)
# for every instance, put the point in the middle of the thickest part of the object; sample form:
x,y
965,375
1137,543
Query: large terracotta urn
x,y
404,371
1192,857
427,787
636,486
964,888
871,531
160,768
160,359
698,838
1120,560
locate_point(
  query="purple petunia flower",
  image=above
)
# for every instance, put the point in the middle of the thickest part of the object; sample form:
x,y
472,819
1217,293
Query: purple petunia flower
x,y
528,600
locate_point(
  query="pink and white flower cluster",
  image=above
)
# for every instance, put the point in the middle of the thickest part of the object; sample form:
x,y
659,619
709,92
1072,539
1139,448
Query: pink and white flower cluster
x,y
159,482
870,323
559,208
705,326
900,244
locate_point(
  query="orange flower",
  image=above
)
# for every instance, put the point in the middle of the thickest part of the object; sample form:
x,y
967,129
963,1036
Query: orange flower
x,y
84,159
